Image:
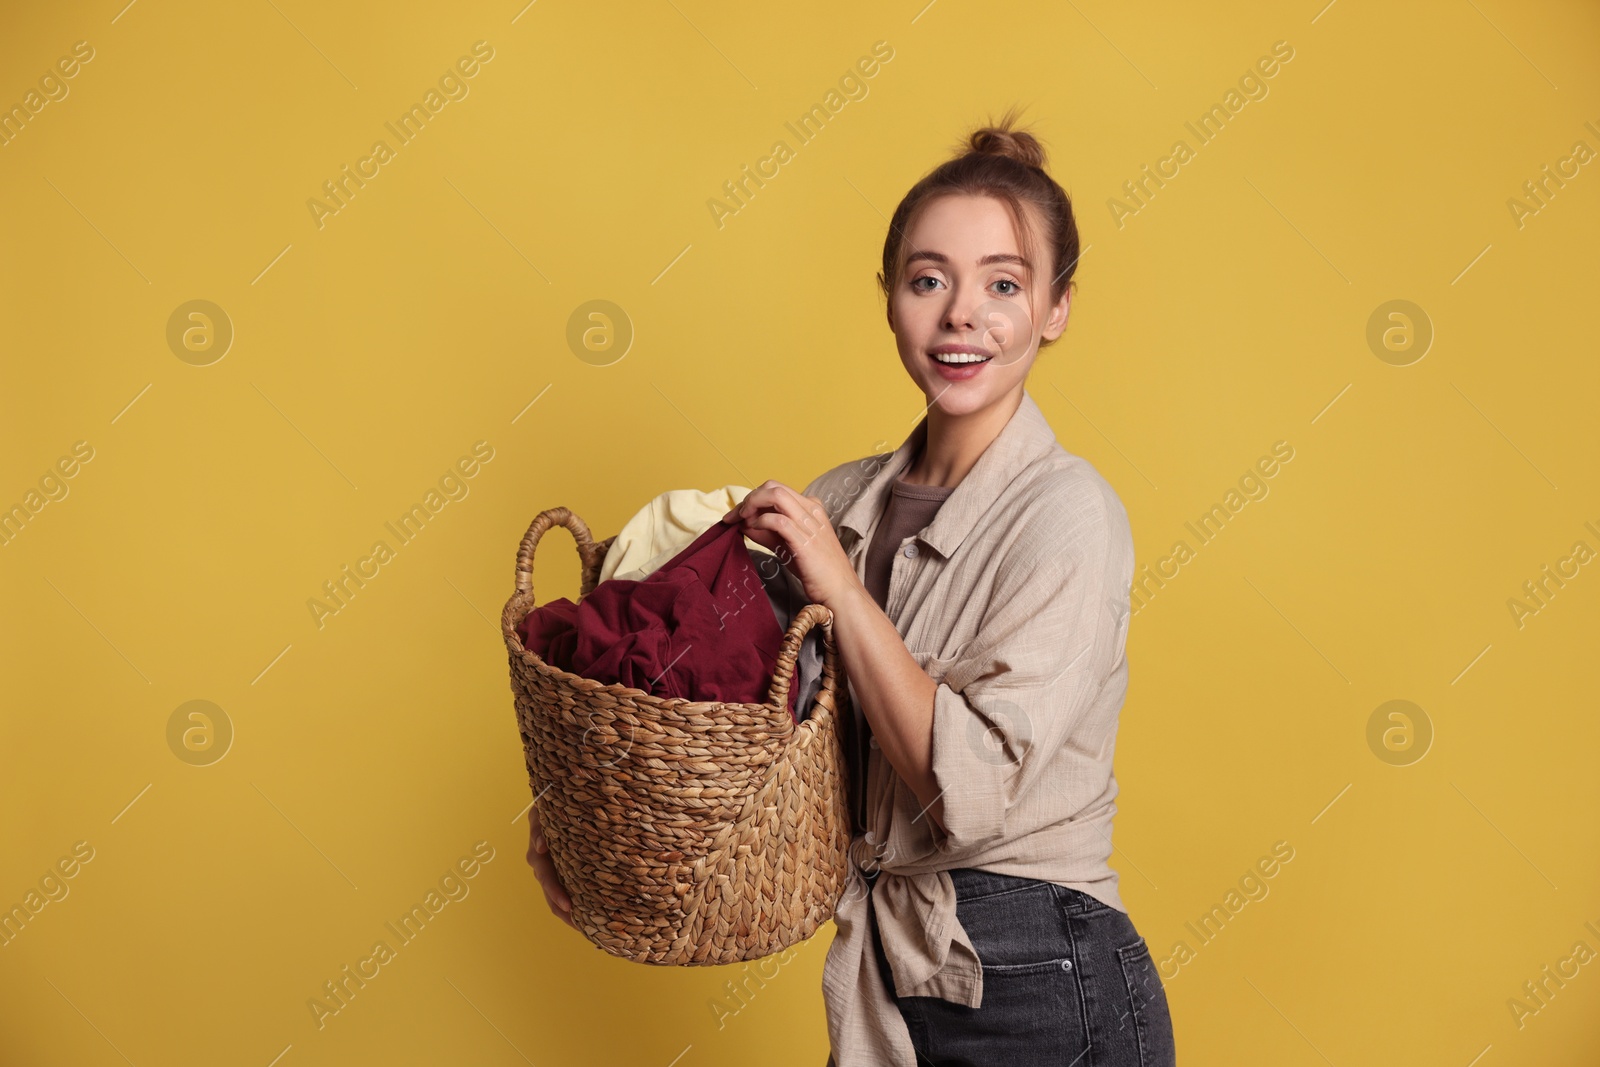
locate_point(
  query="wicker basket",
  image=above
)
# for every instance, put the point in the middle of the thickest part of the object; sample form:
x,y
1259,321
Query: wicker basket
x,y
685,832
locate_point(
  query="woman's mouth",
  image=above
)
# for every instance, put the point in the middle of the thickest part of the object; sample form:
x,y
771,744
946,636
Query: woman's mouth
x,y
958,362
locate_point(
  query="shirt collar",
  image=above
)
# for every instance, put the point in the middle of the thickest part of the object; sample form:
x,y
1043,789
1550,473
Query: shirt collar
x,y
1025,437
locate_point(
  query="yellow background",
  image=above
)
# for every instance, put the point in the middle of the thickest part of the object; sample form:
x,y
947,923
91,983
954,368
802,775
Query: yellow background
x,y
431,312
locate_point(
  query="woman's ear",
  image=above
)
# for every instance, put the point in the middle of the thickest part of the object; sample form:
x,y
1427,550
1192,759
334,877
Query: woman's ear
x,y
1057,320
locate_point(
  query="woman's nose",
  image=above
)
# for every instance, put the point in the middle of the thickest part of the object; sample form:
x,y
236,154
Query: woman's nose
x,y
960,314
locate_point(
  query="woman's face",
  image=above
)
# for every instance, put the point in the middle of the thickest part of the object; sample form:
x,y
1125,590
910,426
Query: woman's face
x,y
967,310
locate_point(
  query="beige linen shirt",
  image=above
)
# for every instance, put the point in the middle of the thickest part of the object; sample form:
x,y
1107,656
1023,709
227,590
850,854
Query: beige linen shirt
x,y
1015,600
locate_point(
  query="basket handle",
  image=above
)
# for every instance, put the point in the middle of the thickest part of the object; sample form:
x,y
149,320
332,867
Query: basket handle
x,y
588,551
808,617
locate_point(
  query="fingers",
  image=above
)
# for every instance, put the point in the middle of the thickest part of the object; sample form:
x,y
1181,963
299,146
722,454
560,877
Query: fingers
x,y
768,494
563,916
794,525
558,900
806,513
560,910
536,841
752,500
555,895
544,869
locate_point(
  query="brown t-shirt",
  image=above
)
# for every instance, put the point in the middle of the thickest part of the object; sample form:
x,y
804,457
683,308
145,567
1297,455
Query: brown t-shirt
x,y
910,509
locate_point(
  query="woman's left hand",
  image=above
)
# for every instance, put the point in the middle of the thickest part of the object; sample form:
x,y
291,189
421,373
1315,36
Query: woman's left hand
x,y
797,528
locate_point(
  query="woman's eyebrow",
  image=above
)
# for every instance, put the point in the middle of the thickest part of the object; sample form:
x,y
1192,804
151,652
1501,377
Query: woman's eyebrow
x,y
993,257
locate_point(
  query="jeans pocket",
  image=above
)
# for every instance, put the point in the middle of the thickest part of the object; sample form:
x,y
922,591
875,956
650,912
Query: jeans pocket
x,y
1031,1014
1032,1010
1016,931
1147,1001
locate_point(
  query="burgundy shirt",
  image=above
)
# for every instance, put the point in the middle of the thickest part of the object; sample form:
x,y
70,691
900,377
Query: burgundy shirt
x,y
701,627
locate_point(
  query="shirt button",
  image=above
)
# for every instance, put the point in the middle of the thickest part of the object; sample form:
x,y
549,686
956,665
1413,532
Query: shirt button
x,y
872,742
910,551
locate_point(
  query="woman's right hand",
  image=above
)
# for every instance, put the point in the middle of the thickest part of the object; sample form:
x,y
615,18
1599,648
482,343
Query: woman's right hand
x,y
544,869
775,516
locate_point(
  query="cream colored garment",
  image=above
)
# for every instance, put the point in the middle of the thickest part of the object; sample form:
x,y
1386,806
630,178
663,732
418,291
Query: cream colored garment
x,y
1015,600
665,526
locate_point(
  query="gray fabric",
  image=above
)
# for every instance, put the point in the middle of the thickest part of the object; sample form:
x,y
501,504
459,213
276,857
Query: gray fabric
x,y
788,598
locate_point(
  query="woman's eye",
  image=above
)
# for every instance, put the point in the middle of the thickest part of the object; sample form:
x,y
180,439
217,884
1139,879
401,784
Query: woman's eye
x,y
1015,288
915,283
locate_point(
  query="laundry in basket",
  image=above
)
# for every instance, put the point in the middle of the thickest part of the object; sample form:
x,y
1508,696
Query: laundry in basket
x,y
701,627
686,832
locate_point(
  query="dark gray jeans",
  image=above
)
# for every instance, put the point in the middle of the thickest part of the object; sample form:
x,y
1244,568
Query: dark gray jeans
x,y
1067,980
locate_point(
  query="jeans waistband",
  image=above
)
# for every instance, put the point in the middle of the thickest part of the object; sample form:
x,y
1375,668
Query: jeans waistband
x,y
972,882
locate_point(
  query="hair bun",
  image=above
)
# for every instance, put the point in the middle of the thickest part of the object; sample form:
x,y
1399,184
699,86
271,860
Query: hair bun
x,y
1003,140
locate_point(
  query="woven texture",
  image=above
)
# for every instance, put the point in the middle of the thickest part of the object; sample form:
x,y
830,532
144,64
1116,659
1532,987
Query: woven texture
x,y
685,832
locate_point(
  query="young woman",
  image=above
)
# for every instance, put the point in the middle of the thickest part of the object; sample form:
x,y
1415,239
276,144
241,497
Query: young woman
x,y
979,581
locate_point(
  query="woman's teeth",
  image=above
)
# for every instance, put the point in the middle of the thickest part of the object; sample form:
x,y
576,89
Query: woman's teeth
x,y
959,357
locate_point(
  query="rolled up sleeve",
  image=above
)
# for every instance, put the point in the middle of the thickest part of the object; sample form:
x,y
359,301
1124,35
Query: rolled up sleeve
x,y
1051,635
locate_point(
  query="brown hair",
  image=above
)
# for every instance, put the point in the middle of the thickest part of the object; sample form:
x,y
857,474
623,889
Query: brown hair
x,y
1006,163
